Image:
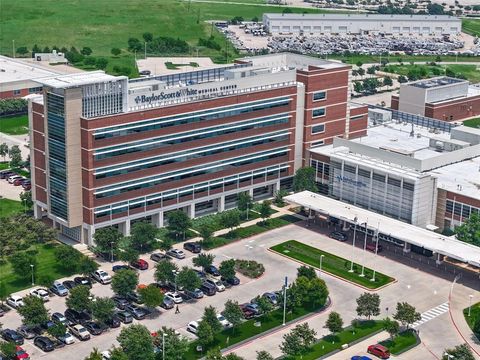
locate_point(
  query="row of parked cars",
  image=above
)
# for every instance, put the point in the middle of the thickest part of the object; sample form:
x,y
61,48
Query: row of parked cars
x,y
16,179
341,236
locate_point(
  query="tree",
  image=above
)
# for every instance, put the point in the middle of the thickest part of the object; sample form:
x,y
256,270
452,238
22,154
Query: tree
x,y
67,257
231,219
298,340
368,305
21,264
26,199
391,326
263,355
116,51
90,61
233,313
15,156
203,260
334,322
147,36
188,279
402,79
86,266
151,296
165,271
165,244
387,81
3,150
371,84
33,313
304,179
265,305
134,44
359,64
178,222
124,282
86,51
136,342
459,352
357,86
101,63
22,50
406,314
79,298
265,210
245,202
279,195
214,354
232,356
469,231
143,236
227,269
361,71
205,333
317,292
128,255
103,309
8,349
371,70
306,271
210,317
476,327
117,353
57,330
206,232
95,355
175,345
107,240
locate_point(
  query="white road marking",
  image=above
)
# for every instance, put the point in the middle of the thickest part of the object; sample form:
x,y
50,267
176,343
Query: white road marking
x,y
432,314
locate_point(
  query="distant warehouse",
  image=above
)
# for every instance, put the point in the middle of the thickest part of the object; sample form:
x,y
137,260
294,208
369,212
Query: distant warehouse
x,y
317,24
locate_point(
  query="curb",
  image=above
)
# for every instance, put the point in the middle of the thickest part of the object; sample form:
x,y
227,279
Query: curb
x,y
336,276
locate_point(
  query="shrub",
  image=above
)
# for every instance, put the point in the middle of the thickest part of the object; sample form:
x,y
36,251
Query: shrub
x,y
249,268
13,106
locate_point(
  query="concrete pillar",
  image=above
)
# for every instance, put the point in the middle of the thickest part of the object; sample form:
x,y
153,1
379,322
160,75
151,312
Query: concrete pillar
x,y
37,212
345,226
124,228
191,211
439,259
221,203
407,248
157,219
276,187
250,192
87,235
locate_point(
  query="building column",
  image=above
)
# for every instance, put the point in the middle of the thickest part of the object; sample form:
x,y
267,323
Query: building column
x,y
221,203
407,248
439,259
87,235
276,187
250,192
191,211
157,219
124,227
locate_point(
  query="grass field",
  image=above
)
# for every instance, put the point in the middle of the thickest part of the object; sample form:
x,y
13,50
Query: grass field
x,y
471,26
331,264
474,315
9,207
330,343
17,125
475,123
47,265
470,72
401,343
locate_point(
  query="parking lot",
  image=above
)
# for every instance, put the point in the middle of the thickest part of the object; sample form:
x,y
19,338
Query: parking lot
x,y
418,288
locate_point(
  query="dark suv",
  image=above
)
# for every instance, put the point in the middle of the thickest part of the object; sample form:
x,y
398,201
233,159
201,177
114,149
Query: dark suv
x,y
75,317
193,247
12,336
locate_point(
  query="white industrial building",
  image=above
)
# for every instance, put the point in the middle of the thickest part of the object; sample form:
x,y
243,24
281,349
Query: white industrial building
x,y
317,24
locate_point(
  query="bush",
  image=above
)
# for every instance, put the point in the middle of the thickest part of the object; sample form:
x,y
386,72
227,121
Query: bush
x,y
249,268
13,106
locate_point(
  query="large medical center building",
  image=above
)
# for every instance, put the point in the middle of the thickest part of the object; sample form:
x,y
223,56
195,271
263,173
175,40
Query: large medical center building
x,y
108,151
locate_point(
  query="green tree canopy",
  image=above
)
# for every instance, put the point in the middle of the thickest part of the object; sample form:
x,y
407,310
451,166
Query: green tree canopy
x,y
79,298
334,322
107,240
33,313
103,309
265,210
306,271
469,231
21,261
298,340
231,219
178,222
143,236
188,279
406,314
233,313
368,305
165,271
151,296
210,317
15,156
67,257
227,269
304,179
459,352
203,260
205,333
124,282
175,345
136,342
391,326
263,355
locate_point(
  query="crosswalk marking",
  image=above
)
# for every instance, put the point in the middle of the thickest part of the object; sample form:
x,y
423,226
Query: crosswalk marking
x,y
432,314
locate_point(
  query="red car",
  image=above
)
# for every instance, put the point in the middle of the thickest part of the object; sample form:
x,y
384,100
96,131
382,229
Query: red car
x,y
21,354
378,350
27,185
247,313
140,264
371,247
18,182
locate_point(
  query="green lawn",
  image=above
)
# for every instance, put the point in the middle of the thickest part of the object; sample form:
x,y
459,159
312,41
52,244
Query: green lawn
x,y
17,125
47,265
330,343
248,329
474,315
470,72
475,123
9,207
331,264
471,26
401,343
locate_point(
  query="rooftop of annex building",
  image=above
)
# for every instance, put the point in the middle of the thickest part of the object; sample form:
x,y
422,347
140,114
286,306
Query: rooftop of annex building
x,y
12,70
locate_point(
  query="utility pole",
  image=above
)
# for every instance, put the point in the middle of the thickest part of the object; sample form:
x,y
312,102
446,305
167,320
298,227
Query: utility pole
x,y
13,48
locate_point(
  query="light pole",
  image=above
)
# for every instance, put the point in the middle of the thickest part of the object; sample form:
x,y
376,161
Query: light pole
x,y
470,306
111,251
285,299
33,280
364,249
376,250
320,272
175,276
13,48
353,245
163,345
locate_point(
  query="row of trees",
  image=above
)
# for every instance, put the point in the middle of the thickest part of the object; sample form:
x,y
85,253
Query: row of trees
x,y
14,153
13,106
159,45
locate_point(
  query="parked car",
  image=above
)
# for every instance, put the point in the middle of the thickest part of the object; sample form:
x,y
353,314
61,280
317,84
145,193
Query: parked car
x,y
125,317
67,338
20,354
252,307
212,270
12,336
69,284
176,253
102,277
93,327
59,318
167,303
135,297
360,357
15,301
18,182
80,332
193,247
82,280
193,327
140,264
27,185
41,294
174,296
120,302
47,325
137,312
113,322
58,289
233,281
27,332
217,283
338,235
379,350
225,323
195,294
208,288
158,256
5,174
76,317
372,247
12,178
116,268
44,343
271,297
247,312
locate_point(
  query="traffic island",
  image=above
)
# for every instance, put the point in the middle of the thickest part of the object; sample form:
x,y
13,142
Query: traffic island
x,y
403,342
332,264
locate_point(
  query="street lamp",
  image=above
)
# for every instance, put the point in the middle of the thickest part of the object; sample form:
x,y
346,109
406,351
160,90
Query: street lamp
x,y
163,345
470,306
111,251
353,245
33,280
320,272
376,250
175,275
364,248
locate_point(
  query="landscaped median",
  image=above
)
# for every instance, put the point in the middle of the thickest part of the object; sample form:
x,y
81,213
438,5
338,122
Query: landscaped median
x,y
473,320
403,342
331,264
